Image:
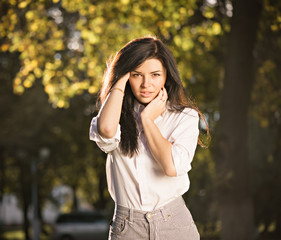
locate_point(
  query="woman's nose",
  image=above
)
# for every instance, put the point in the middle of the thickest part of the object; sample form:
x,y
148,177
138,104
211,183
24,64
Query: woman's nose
x,y
145,81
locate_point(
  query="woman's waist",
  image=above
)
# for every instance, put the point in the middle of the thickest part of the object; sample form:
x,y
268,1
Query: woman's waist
x,y
171,206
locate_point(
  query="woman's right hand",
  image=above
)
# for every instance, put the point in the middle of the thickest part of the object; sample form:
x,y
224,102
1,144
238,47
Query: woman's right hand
x,y
110,112
123,80
125,77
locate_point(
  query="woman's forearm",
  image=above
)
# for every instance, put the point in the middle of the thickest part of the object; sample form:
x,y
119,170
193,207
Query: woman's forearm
x,y
160,148
110,112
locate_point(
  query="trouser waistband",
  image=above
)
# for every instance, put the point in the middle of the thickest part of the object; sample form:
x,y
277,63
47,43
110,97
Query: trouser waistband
x,y
162,212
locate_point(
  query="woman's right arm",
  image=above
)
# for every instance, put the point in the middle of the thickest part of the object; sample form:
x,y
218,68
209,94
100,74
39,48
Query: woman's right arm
x,y
109,115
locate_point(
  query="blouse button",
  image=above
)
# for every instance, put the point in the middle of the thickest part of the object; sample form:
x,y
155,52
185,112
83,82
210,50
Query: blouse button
x,y
149,215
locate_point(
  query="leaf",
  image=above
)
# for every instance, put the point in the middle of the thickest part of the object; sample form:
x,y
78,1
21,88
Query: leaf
x,y
23,4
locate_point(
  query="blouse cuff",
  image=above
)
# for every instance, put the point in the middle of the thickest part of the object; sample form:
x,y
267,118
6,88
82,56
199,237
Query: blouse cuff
x,y
181,159
105,144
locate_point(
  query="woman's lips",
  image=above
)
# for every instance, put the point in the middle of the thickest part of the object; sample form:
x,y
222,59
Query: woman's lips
x,y
146,93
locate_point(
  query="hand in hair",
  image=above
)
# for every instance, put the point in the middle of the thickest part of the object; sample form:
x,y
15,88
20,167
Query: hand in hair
x,y
110,112
123,80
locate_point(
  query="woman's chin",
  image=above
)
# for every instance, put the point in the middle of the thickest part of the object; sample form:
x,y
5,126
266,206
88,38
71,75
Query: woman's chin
x,y
144,101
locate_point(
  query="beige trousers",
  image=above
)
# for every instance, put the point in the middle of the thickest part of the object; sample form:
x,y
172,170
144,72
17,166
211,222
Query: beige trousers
x,y
171,222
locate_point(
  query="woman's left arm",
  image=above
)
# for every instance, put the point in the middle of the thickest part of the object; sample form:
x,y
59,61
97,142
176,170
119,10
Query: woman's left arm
x,y
160,148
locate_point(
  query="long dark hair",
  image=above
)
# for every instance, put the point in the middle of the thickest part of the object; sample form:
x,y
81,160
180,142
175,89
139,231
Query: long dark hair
x,y
128,59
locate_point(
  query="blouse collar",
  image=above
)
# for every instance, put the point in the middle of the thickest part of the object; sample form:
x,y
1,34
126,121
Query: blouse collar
x,y
138,108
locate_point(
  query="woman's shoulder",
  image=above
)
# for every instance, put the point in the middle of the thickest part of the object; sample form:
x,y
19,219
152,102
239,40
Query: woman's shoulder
x,y
183,115
184,111
190,112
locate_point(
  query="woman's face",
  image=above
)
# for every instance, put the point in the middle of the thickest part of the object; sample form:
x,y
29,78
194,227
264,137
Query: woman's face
x,y
147,80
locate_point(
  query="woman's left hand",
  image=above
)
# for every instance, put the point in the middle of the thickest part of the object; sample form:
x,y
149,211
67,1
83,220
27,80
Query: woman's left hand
x,y
159,147
157,106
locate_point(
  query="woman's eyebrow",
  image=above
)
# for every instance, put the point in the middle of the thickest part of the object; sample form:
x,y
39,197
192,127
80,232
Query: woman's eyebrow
x,y
151,72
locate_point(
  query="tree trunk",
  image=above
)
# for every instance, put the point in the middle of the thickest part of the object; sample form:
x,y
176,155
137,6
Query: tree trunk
x,y
102,185
231,151
74,199
25,183
2,173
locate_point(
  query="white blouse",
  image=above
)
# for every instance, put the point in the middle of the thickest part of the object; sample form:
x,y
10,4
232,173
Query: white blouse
x,y
139,182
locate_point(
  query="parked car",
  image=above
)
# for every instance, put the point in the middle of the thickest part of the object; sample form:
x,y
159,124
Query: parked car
x,y
82,225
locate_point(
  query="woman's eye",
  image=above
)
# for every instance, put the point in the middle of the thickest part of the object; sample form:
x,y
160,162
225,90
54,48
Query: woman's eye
x,y
156,74
136,75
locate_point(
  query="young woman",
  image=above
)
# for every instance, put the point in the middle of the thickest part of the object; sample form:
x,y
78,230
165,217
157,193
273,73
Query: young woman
x,y
150,132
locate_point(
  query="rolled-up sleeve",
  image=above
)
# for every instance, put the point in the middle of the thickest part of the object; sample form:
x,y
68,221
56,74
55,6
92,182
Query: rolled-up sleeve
x,y
106,145
184,139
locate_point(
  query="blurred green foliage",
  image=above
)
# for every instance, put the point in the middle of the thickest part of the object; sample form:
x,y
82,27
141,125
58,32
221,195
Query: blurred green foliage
x,y
67,43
